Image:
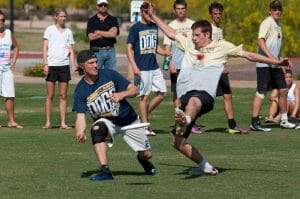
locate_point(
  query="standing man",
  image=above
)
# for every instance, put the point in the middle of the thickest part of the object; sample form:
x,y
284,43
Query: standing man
x,y
102,30
7,66
202,66
182,25
216,11
103,93
142,45
269,44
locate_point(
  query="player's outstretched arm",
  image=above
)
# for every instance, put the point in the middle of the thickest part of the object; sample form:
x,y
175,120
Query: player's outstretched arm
x,y
254,57
169,32
80,126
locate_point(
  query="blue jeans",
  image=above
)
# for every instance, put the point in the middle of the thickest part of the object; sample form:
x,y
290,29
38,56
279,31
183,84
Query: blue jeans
x,y
106,59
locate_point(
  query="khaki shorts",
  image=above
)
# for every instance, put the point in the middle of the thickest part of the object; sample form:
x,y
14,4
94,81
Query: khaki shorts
x,y
135,138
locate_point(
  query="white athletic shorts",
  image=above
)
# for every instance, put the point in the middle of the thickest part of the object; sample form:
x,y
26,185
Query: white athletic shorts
x,y
7,87
135,138
153,81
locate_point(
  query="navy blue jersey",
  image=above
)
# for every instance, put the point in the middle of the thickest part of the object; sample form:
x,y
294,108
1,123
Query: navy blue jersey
x,y
95,98
144,39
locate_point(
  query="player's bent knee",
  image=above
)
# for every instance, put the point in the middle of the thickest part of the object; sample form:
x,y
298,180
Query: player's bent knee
x,y
260,95
99,132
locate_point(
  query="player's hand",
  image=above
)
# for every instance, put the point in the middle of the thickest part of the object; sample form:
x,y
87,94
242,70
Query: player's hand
x,y
286,62
80,137
116,97
225,71
172,68
46,69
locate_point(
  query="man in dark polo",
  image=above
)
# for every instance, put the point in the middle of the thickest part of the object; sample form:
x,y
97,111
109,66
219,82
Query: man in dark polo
x,y
102,30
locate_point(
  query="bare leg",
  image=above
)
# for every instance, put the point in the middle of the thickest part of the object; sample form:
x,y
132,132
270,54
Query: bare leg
x,y
10,110
282,100
156,101
143,108
63,87
227,98
49,99
256,106
145,155
180,144
101,153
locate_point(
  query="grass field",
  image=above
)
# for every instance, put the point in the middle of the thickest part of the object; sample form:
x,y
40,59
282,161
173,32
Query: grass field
x,y
38,163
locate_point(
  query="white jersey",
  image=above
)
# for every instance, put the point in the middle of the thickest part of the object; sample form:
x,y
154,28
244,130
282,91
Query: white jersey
x,y
291,95
217,33
184,28
271,32
5,49
59,45
201,69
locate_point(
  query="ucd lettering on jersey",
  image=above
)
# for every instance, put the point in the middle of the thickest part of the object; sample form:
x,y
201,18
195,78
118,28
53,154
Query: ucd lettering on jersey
x,y
99,103
148,41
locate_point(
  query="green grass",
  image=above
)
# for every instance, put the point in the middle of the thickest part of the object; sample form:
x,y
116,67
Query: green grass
x,y
38,163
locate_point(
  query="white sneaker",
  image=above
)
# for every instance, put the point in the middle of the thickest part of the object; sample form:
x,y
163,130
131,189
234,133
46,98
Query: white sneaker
x,y
149,131
199,172
287,125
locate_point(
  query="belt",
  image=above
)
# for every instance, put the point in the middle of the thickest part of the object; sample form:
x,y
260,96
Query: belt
x,y
95,49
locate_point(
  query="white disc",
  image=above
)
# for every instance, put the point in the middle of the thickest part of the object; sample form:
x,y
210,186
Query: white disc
x,y
135,126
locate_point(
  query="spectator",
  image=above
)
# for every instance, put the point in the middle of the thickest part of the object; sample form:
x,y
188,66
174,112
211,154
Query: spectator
x,y
102,30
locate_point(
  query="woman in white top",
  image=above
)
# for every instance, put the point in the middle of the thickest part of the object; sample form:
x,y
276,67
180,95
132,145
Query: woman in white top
x,y
292,100
7,65
58,55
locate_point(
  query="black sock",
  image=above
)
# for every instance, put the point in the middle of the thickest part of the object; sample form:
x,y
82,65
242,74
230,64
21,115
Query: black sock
x,y
254,120
231,123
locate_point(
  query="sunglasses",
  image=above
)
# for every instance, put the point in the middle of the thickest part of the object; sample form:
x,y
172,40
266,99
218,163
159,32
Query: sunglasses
x,y
3,20
102,5
145,6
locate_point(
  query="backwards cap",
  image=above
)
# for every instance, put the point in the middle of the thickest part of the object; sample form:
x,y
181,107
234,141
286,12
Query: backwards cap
x,y
85,55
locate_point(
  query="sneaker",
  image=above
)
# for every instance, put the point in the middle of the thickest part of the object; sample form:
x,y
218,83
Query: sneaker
x,y
238,129
196,129
149,131
180,122
287,125
199,172
147,165
103,174
258,127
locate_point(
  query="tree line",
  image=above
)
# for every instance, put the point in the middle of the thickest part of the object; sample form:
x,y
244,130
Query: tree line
x,y
241,18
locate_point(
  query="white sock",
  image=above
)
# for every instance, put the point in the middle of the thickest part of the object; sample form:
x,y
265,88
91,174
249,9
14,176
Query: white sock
x,y
284,116
188,119
205,166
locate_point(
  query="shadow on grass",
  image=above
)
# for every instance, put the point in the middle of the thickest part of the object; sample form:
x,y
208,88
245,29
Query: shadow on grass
x,y
162,131
88,174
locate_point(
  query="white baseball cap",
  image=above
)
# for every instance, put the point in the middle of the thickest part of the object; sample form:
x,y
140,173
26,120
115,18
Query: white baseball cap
x,y
102,1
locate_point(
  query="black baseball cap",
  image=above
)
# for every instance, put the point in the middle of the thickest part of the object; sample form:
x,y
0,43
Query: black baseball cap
x,y
85,55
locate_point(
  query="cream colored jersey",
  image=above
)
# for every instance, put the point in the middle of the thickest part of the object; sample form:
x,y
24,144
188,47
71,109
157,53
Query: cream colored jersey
x,y
201,69
271,32
217,33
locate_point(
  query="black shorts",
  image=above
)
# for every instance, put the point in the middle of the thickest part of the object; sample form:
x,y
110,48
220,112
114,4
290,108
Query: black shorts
x,y
224,85
269,78
58,73
207,105
173,77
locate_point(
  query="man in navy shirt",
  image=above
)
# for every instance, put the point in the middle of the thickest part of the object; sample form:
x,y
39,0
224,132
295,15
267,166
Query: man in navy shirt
x,y
102,30
103,93
142,45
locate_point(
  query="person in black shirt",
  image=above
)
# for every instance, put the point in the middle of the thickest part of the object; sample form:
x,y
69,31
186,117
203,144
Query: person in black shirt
x,y
102,30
